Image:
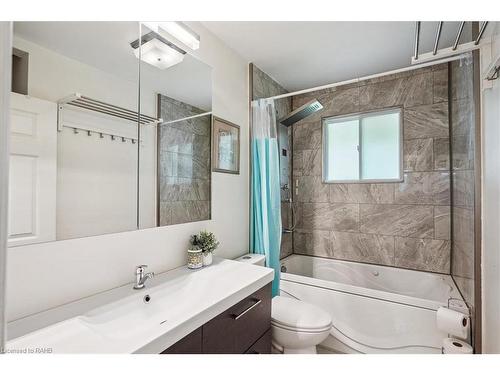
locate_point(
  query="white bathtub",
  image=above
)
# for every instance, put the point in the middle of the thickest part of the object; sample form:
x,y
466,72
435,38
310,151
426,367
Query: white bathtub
x,y
374,309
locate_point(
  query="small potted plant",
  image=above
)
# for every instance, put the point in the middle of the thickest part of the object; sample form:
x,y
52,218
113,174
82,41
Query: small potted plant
x,y
207,242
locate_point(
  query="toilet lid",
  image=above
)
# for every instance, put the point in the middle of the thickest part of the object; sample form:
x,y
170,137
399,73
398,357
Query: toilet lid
x,y
298,314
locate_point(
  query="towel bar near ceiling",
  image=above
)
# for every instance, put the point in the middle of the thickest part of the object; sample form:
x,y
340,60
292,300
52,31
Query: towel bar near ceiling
x,y
84,102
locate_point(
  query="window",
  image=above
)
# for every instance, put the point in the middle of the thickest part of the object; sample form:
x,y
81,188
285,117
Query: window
x,y
366,147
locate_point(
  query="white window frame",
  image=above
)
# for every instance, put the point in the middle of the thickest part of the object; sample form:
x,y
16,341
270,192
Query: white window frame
x,y
359,116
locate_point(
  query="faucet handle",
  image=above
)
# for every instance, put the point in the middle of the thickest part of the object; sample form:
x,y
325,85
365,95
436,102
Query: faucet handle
x,y
141,268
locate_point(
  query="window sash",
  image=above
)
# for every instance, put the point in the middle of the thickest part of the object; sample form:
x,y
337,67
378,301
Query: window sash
x,y
359,117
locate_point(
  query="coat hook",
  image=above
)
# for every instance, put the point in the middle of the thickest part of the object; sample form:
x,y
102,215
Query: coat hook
x,y
123,139
100,135
75,130
112,137
89,133
133,141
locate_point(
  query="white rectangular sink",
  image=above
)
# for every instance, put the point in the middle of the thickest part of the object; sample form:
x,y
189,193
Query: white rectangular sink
x,y
178,302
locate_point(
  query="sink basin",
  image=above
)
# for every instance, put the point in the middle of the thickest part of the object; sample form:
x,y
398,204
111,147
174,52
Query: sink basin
x,y
144,312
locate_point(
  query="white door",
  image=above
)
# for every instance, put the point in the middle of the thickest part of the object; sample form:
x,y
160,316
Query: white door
x,y
33,170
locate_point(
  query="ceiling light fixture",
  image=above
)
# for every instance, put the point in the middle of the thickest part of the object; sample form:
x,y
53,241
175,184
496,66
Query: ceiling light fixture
x,y
157,51
178,30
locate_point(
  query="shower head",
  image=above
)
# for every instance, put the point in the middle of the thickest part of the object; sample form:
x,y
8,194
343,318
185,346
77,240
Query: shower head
x,y
301,113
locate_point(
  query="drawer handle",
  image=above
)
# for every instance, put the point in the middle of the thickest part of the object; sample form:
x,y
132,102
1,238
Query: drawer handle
x,y
257,303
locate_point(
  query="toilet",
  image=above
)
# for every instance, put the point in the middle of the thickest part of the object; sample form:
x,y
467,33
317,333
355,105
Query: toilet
x,y
297,327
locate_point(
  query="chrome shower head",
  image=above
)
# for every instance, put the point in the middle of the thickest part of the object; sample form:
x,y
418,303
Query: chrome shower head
x,y
301,113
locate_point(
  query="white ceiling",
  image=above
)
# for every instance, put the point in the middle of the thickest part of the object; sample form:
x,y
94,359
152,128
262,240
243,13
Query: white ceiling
x,y
301,55
106,46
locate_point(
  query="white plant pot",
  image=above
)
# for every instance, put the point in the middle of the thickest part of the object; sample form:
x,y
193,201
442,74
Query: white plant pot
x,y
207,259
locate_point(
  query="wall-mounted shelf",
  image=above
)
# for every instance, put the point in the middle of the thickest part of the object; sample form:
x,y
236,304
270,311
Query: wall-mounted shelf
x,y
84,102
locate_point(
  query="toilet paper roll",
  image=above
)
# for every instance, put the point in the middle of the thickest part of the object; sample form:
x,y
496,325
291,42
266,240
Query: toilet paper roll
x,y
455,346
453,322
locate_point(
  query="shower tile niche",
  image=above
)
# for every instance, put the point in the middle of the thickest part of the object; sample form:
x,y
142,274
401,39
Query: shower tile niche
x,y
183,163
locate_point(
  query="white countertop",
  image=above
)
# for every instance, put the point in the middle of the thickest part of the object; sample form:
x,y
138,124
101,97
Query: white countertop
x,y
118,321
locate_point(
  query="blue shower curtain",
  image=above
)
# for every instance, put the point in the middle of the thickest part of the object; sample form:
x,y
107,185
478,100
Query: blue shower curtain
x,y
265,210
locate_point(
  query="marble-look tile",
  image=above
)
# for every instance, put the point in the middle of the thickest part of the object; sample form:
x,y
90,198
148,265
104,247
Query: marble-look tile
x,y
424,188
311,162
397,220
299,214
165,214
171,109
331,216
166,162
463,151
298,162
441,154
466,287
193,189
339,102
440,87
418,155
286,245
394,76
442,223
463,188
189,211
462,73
264,86
426,121
361,193
313,242
283,107
175,140
307,136
423,254
409,91
169,189
463,242
462,117
182,165
286,215
311,189
359,247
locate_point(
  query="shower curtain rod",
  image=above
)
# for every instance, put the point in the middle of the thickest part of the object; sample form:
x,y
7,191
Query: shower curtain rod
x,y
359,79
184,118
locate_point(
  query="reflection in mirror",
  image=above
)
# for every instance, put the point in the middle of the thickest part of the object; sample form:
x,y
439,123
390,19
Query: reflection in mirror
x,y
74,142
174,184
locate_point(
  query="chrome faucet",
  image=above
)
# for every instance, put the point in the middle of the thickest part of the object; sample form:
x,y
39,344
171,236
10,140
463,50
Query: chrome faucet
x,y
141,277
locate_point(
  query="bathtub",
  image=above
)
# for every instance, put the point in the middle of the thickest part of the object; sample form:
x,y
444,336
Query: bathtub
x,y
374,309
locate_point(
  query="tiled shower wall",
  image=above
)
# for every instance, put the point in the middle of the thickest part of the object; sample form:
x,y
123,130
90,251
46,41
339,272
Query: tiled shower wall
x,y
462,164
183,164
264,86
403,224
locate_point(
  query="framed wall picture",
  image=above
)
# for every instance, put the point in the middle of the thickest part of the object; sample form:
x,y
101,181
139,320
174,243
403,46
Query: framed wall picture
x,y
226,146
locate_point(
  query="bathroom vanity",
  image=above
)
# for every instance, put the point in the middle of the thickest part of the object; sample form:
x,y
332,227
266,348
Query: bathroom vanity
x,y
224,308
243,328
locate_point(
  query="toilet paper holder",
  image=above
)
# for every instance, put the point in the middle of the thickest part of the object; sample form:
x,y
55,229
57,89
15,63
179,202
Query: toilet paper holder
x,y
461,306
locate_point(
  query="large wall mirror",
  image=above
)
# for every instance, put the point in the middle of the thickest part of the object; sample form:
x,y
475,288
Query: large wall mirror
x,y
107,127
174,176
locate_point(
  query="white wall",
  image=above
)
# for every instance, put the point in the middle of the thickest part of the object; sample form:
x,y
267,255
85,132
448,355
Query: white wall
x,y
491,203
5,71
46,275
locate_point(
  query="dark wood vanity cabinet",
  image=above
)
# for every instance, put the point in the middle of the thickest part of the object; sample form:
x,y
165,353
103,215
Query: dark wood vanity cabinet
x,y
243,328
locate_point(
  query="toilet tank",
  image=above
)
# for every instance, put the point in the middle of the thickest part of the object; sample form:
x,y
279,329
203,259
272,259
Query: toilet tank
x,y
257,259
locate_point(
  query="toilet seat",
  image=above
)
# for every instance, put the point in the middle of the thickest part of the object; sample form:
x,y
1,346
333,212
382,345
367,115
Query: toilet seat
x,y
299,316
304,330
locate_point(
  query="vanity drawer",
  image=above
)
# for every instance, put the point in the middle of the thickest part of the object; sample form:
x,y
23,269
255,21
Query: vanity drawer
x,y
191,344
239,327
262,346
